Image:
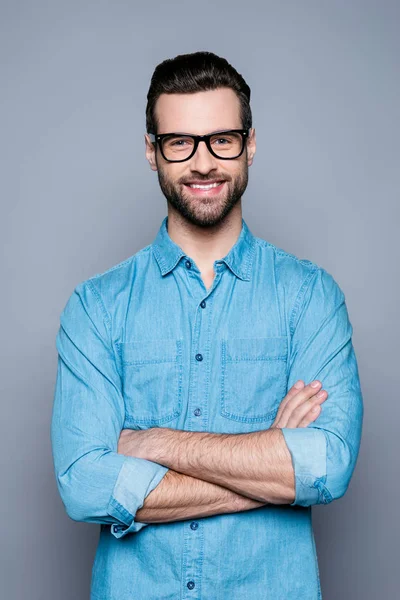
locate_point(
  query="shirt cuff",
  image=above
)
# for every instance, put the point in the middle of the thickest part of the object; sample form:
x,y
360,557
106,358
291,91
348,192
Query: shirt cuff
x,y
308,449
136,479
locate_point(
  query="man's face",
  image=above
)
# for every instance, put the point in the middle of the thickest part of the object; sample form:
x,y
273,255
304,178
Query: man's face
x,y
199,114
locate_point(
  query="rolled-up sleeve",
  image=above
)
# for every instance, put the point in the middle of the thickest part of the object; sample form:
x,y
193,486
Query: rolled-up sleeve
x,y
95,482
324,454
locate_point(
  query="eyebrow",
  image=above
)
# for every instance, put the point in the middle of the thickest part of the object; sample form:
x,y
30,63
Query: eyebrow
x,y
210,133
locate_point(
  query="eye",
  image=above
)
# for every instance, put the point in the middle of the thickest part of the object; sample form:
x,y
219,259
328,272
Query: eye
x,y
225,139
178,142
221,141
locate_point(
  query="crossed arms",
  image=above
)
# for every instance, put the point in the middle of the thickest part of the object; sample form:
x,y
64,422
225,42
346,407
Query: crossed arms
x,y
170,474
216,473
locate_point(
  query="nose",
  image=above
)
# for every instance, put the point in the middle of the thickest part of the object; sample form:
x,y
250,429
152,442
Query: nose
x,y
203,161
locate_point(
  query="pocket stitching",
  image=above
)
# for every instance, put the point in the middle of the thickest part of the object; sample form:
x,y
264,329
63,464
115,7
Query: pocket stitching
x,y
229,360
175,344
130,418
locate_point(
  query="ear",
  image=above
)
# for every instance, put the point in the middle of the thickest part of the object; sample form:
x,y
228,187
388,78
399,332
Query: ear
x,y
251,146
150,152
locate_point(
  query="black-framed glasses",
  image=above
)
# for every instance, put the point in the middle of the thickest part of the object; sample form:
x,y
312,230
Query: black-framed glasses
x,y
177,147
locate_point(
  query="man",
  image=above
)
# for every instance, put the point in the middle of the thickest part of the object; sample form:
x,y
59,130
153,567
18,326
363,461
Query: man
x,y
207,391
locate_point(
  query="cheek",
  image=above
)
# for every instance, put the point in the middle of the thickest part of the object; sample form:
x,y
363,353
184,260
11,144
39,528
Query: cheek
x,y
238,170
169,174
176,174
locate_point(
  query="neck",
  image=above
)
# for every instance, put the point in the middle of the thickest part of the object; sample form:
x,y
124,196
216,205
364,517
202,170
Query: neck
x,y
205,244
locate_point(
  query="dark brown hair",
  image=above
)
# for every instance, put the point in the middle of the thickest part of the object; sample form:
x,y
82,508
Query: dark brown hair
x,y
196,72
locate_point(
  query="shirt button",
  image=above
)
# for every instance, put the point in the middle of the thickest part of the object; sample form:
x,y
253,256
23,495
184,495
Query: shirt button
x,y
188,264
190,585
203,304
194,525
199,357
197,412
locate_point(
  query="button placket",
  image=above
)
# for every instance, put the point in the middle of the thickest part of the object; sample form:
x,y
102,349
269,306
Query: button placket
x,y
196,421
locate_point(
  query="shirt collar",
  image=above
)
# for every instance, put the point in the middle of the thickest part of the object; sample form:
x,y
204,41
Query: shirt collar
x,y
239,259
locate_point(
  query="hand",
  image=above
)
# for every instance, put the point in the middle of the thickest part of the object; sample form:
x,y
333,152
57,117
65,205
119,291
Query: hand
x,y
300,406
132,442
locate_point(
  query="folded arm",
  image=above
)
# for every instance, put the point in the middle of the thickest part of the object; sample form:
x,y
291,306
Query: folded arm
x,y
96,484
180,496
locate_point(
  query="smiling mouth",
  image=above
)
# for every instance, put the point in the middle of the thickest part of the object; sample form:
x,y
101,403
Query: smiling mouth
x,y
207,186
214,187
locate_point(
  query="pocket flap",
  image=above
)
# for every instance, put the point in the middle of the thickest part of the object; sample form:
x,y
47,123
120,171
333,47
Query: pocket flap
x,y
142,351
270,348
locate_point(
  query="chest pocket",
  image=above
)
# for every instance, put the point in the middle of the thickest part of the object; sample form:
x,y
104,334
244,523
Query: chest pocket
x,y
152,380
253,378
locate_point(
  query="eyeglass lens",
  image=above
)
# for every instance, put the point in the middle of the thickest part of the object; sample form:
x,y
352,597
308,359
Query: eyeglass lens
x,y
179,147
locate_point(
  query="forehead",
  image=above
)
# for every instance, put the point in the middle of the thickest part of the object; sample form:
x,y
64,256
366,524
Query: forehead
x,y
198,113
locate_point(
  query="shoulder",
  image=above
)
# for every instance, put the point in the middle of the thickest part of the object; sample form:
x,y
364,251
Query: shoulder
x,y
288,267
120,271
119,274
100,292
297,279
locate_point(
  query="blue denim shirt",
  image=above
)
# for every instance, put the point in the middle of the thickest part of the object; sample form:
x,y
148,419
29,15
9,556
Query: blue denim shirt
x,y
145,344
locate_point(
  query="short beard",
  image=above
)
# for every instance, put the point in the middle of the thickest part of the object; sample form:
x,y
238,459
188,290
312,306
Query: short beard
x,y
183,207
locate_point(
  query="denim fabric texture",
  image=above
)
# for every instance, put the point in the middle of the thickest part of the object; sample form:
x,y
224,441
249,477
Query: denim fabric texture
x,y
145,344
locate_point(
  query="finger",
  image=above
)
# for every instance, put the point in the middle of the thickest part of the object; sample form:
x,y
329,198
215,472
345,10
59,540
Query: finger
x,y
298,385
305,394
310,416
301,411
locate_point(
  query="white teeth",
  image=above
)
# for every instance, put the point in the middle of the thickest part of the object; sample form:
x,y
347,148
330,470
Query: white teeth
x,y
204,187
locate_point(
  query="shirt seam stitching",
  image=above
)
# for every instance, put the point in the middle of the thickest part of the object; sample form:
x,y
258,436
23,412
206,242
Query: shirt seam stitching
x,y
123,263
281,252
300,295
100,302
107,321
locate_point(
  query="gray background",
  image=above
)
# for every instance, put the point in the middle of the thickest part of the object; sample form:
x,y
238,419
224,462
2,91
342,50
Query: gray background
x,y
77,196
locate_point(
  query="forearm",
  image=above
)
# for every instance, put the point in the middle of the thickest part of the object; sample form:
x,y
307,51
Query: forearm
x,y
178,497
257,465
